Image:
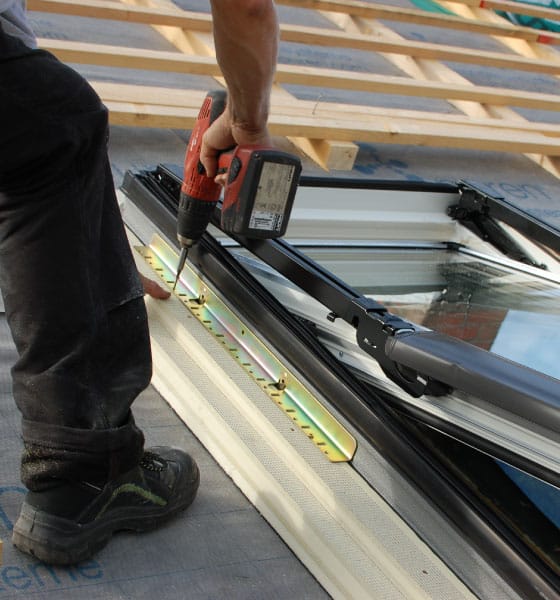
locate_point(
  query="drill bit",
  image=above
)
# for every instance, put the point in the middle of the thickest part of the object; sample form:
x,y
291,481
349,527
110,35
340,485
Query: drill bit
x,y
182,260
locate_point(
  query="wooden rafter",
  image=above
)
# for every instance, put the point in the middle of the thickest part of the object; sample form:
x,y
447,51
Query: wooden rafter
x,y
145,107
525,48
358,41
201,22
431,69
190,100
488,122
123,57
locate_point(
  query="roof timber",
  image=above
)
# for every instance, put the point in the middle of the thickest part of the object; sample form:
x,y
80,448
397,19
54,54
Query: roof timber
x,y
155,106
426,51
340,39
550,163
193,21
488,122
137,58
326,153
422,69
384,84
404,132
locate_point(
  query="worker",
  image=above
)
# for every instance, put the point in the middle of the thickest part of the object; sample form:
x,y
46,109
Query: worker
x,y
73,297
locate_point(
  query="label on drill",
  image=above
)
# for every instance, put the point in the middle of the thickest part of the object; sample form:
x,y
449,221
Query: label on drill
x,y
272,196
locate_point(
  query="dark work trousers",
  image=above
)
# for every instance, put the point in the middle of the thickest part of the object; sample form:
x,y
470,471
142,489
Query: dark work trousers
x,y
73,297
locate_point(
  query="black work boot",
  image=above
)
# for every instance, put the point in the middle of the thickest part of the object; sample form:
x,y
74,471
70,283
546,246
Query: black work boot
x,y
70,523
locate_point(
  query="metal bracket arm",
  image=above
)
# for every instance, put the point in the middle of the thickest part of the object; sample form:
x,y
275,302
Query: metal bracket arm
x,y
374,328
486,211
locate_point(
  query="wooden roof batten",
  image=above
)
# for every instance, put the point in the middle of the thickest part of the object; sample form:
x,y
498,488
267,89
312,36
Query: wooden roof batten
x,y
328,132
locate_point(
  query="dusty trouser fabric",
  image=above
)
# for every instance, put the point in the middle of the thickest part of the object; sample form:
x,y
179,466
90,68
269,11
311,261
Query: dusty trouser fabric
x,y
73,298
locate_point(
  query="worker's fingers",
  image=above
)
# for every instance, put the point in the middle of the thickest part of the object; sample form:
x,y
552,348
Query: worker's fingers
x,y
153,289
216,139
223,135
221,179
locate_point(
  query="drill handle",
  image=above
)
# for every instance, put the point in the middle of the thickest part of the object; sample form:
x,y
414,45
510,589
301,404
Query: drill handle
x,y
195,182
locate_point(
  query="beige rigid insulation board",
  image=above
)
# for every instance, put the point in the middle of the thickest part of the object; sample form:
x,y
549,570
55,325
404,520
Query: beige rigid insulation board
x,y
339,527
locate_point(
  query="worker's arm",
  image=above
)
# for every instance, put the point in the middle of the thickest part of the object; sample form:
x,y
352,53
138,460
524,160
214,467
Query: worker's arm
x,y
246,39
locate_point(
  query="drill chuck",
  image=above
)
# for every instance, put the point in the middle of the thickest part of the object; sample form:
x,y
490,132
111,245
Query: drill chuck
x,y
193,216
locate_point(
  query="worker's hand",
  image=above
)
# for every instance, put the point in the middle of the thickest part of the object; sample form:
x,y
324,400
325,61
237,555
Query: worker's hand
x,y
224,134
153,289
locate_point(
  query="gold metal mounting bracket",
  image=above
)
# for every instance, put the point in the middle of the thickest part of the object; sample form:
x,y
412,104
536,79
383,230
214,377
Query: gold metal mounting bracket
x,y
267,370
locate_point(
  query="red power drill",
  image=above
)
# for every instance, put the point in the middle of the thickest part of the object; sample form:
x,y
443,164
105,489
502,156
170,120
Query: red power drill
x,y
258,196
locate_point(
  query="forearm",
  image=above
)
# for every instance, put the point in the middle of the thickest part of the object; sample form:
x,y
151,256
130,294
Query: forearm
x,y
246,38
